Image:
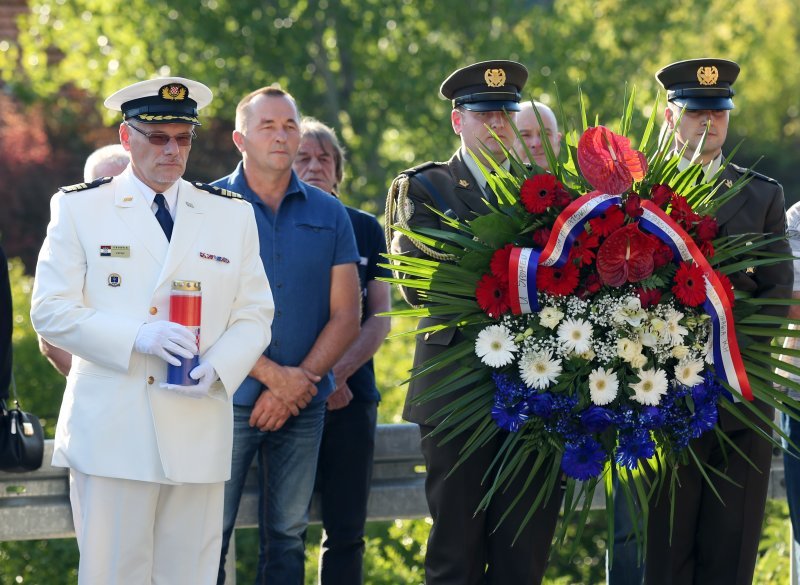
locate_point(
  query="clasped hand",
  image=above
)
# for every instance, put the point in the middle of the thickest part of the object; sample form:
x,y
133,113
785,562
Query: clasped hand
x,y
166,340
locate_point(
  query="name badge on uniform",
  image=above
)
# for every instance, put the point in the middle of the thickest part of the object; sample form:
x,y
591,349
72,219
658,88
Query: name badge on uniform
x,y
109,251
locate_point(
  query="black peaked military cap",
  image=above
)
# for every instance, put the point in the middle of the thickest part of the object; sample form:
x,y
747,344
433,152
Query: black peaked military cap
x,y
487,86
700,84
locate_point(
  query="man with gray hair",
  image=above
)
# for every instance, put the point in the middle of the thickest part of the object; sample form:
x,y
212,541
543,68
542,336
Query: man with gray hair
x,y
106,161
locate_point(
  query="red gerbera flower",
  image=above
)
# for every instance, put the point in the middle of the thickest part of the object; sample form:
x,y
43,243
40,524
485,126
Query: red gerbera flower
x,y
492,296
625,256
689,287
499,262
557,281
681,211
661,195
583,248
539,192
608,162
608,221
726,284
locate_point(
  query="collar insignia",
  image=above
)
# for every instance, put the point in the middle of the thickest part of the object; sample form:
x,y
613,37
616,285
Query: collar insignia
x,y
495,77
707,75
728,183
463,183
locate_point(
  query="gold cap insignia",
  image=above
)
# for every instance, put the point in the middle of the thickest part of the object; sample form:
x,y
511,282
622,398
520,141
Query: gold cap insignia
x,y
463,183
728,183
707,75
174,92
495,77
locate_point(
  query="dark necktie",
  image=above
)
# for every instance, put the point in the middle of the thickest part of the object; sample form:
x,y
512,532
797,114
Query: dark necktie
x,y
163,216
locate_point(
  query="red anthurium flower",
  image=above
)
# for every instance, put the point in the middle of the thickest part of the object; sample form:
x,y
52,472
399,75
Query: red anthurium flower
x,y
499,262
633,205
539,192
608,162
492,296
557,281
726,284
625,256
583,248
541,236
690,286
661,195
648,298
706,228
608,221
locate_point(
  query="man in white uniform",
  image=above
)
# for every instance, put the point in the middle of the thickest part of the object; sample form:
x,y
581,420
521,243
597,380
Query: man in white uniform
x,y
148,460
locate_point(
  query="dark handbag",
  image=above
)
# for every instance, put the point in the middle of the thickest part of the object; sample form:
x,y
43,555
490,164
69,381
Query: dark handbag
x,y
21,438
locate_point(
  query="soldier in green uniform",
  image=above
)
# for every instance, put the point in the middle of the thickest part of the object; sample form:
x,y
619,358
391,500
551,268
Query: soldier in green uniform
x,y
715,537
465,548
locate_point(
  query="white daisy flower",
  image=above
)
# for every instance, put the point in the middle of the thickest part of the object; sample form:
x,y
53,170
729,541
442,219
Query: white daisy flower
x,y
538,369
603,386
550,317
575,335
495,346
688,372
651,386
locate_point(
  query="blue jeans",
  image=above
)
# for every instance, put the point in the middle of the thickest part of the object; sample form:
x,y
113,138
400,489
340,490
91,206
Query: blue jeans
x,y
791,470
627,568
344,473
287,465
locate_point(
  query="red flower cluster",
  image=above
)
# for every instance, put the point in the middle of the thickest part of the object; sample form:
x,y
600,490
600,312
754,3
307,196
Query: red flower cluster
x,y
541,192
492,296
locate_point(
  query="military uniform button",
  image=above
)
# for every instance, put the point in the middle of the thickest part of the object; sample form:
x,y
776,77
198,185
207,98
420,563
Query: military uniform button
x,y
150,379
153,310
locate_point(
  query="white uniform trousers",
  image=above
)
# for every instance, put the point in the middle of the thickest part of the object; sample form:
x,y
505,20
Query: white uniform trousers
x,y
141,533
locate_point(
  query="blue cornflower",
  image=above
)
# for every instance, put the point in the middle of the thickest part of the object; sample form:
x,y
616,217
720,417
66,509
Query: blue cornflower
x,y
633,447
583,460
510,418
540,404
704,419
651,418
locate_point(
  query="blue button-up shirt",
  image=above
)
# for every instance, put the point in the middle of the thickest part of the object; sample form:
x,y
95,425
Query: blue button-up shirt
x,y
300,244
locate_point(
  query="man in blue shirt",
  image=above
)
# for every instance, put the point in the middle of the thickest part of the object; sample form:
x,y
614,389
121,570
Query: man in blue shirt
x,y
309,254
344,469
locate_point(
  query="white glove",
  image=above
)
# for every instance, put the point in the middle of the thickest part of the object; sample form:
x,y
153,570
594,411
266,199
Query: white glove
x,y
205,374
164,338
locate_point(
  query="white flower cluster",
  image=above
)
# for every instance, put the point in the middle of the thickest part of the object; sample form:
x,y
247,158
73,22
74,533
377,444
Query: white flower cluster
x,y
612,337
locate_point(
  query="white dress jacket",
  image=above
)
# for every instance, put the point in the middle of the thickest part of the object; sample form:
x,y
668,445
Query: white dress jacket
x,y
105,269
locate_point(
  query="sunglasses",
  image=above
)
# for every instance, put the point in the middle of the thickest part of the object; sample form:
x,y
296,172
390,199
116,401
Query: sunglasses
x,y
161,139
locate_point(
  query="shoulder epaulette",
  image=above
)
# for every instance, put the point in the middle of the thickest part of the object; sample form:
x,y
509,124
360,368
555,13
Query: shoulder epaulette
x,y
423,167
754,174
216,190
84,186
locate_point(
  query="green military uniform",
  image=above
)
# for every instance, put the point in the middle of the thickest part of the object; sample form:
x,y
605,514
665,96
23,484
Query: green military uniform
x,y
464,548
715,543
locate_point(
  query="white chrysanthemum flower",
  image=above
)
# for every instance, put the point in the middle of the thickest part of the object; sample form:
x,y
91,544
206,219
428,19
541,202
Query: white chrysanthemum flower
x,y
688,372
550,317
495,346
539,369
674,329
575,335
651,386
603,386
